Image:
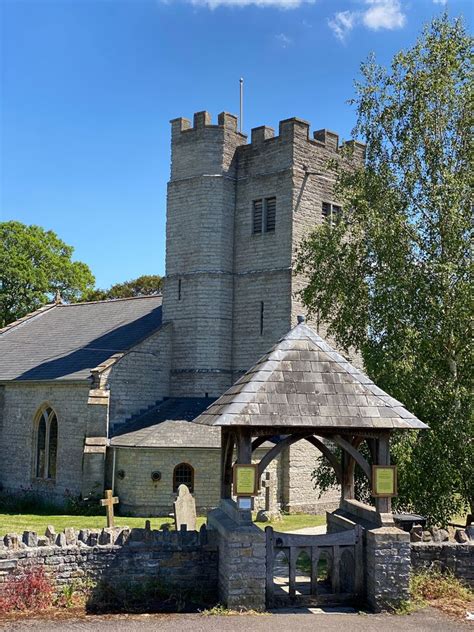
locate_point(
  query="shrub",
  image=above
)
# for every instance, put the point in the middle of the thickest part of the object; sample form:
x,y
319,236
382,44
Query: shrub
x,y
27,589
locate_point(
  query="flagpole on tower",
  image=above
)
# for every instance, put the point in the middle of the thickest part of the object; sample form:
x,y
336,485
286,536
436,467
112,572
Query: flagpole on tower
x,y
241,118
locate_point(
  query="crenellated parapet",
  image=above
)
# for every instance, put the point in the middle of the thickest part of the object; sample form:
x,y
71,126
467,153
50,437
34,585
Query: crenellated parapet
x,y
203,120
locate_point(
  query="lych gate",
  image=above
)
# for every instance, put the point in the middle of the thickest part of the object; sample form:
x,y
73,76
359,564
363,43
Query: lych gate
x,y
303,390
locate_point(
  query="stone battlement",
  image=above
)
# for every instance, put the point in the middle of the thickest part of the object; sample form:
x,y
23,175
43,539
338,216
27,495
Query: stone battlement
x,y
289,130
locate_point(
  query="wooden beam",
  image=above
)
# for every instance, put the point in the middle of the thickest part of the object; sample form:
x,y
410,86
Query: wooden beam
x,y
256,443
275,451
330,456
355,454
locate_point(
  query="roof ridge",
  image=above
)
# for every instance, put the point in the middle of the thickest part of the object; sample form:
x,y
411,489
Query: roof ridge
x,y
30,316
111,300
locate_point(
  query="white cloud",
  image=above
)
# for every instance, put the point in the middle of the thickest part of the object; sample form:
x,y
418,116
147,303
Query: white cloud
x,y
283,40
440,1
279,4
378,14
342,23
383,14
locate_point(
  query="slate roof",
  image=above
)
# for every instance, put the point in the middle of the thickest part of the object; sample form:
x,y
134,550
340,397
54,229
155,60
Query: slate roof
x,y
64,342
304,382
168,425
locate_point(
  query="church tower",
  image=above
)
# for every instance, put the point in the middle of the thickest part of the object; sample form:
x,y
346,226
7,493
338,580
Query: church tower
x,y
198,289
236,213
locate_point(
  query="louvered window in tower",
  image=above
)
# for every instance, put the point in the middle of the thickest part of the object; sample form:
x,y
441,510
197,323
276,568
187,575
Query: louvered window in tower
x,y
257,216
270,214
264,215
331,213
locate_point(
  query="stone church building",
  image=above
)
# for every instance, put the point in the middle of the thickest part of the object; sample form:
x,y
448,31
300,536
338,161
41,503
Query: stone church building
x,y
103,394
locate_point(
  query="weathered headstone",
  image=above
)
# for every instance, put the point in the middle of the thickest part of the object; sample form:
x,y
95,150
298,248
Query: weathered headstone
x,y
108,502
271,510
185,509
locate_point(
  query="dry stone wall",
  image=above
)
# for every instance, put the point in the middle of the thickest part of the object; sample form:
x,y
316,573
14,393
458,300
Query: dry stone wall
x,y
445,556
183,559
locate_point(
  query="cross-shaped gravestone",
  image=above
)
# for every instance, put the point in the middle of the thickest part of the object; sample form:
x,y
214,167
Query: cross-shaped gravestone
x,y
267,484
185,509
108,502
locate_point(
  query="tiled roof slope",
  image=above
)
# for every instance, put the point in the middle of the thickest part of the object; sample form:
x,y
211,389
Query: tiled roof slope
x,y
168,426
304,382
66,341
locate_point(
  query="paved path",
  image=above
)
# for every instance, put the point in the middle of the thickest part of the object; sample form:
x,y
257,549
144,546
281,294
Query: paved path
x,y
310,530
424,621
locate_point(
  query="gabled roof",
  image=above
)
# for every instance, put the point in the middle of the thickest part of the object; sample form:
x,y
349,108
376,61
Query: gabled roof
x,y
64,342
304,382
168,425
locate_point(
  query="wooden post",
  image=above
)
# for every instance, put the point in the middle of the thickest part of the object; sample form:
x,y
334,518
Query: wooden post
x,y
227,448
314,569
108,502
270,588
244,446
292,572
336,567
347,487
359,562
384,504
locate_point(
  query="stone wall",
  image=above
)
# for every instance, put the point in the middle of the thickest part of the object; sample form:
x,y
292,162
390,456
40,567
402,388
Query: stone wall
x,y
387,559
186,560
242,563
298,492
140,495
141,377
445,556
21,402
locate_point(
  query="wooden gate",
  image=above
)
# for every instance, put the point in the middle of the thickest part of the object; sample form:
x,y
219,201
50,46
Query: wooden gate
x,y
330,571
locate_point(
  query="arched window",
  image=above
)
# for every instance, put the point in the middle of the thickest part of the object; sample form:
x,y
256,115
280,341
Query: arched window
x,y
46,444
183,474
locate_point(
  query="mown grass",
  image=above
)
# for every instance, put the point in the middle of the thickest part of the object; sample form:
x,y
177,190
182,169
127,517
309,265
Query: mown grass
x,y
18,522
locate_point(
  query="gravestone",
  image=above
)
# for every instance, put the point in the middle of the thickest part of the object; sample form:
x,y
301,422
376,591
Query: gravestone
x,y
108,502
185,509
271,510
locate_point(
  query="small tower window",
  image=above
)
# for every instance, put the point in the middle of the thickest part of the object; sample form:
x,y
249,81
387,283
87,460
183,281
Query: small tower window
x,y
262,309
331,213
179,289
264,215
183,474
46,448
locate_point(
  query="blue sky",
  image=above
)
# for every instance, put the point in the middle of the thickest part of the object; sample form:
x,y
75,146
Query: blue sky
x,y
88,88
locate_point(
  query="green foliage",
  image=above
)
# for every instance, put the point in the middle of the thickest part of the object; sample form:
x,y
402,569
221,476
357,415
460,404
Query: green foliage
x,y
393,277
34,265
145,285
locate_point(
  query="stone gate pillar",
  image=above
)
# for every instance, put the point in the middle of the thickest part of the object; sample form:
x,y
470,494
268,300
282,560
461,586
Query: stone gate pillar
x,y
242,569
388,567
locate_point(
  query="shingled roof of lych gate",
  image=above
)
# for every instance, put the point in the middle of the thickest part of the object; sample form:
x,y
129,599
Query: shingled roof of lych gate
x,y
303,382
65,342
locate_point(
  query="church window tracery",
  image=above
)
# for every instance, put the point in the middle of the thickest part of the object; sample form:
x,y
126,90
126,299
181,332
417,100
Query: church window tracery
x,y
46,444
183,474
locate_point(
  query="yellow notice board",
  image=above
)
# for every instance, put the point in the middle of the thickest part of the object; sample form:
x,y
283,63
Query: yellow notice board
x,y
384,480
245,480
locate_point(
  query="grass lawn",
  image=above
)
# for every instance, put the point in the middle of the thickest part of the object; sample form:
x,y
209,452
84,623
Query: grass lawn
x,y
17,523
